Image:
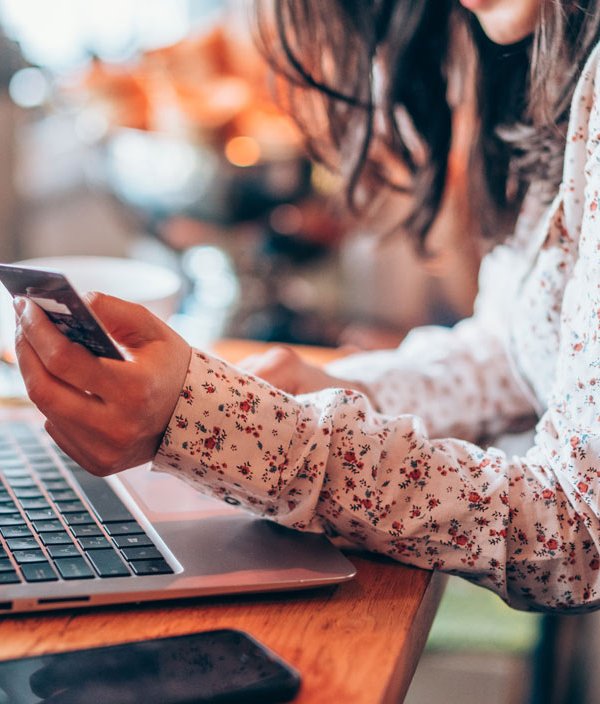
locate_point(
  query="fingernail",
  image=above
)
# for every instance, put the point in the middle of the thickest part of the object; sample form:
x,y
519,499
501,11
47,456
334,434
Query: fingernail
x,y
19,304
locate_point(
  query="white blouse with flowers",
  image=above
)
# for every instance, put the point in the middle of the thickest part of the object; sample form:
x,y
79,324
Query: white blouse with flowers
x,y
405,478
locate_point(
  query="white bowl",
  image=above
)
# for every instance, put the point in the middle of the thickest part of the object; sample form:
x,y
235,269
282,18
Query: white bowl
x,y
153,286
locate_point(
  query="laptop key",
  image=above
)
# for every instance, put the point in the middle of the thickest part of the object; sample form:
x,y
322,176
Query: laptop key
x,y
48,475
25,543
14,469
45,465
40,514
35,452
73,568
63,495
123,528
107,563
39,572
24,556
126,541
61,538
97,541
56,484
86,531
74,506
34,504
6,565
18,478
19,531
146,553
63,551
147,567
107,505
33,493
8,455
21,482
29,444
7,508
47,526
9,578
79,519
14,519
26,437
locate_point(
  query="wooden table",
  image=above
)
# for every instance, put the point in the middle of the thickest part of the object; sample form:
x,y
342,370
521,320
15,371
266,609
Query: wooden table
x,y
355,643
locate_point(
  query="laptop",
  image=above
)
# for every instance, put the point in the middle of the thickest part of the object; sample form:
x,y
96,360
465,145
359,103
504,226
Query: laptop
x,y
69,539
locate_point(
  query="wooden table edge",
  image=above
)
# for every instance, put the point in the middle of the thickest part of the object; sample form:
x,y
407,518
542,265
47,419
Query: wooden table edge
x,y
423,591
408,658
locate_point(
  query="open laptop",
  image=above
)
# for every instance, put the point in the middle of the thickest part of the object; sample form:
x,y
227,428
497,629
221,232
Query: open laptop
x,y
68,539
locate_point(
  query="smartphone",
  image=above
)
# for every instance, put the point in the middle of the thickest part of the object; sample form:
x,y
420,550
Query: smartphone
x,y
213,667
52,291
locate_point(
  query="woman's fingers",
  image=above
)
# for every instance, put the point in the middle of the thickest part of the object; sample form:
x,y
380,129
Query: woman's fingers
x,y
49,393
63,359
250,363
285,369
106,414
91,453
65,442
280,366
129,323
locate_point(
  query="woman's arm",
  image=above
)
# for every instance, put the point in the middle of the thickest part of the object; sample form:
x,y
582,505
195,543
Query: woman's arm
x,y
328,460
459,380
106,414
527,527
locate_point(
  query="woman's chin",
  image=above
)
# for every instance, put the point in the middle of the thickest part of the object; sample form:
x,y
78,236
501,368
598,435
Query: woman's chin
x,y
506,21
504,37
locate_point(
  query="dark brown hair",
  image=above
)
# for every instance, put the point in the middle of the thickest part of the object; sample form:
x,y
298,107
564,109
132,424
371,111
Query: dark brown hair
x,y
368,77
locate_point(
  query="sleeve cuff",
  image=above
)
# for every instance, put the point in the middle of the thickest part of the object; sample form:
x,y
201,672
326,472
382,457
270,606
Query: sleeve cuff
x,y
229,434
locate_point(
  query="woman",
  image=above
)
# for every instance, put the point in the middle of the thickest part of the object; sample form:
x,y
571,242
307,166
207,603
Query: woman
x,y
381,447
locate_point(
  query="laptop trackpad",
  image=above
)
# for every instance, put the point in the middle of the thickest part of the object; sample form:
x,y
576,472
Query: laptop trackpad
x,y
163,497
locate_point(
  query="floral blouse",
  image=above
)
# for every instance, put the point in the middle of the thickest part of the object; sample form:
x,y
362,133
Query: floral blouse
x,y
404,477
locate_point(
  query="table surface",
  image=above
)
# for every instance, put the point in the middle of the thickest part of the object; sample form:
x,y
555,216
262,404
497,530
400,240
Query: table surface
x,y
358,642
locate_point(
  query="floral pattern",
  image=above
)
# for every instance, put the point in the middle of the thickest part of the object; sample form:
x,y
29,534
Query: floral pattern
x,y
405,478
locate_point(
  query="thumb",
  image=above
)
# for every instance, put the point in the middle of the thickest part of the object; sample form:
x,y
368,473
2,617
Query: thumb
x,y
131,324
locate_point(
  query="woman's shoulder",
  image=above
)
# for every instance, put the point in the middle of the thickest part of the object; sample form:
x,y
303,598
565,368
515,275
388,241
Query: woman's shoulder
x,y
590,69
585,95
583,140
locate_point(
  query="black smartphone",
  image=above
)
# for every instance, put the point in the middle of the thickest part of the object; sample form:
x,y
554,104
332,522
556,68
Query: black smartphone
x,y
213,667
52,291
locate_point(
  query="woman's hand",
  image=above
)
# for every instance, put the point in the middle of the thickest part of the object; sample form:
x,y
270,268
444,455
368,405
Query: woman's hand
x,y
106,414
284,368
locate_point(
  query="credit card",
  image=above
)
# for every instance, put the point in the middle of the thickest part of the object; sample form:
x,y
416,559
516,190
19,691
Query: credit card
x,y
54,294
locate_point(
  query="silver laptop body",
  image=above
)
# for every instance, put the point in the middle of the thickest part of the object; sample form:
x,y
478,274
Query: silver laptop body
x,y
162,539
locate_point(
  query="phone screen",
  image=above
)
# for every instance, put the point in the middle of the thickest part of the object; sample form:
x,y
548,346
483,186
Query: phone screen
x,y
54,294
219,667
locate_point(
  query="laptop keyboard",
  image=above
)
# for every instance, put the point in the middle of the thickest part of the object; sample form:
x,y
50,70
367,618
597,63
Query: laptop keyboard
x,y
51,530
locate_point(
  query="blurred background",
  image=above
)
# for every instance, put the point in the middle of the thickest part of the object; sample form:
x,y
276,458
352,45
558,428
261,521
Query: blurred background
x,y
147,129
